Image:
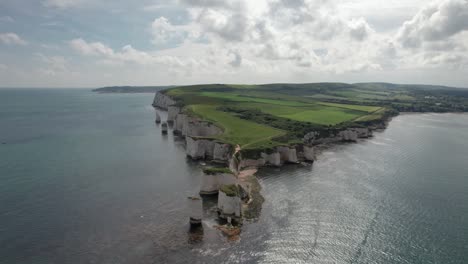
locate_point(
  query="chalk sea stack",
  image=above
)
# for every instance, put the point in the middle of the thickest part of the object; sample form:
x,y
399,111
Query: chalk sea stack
x,y
214,178
158,118
195,208
229,202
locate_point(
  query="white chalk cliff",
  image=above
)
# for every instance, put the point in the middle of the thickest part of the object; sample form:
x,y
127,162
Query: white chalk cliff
x,y
229,206
197,148
195,209
308,153
350,134
288,154
162,101
197,133
212,182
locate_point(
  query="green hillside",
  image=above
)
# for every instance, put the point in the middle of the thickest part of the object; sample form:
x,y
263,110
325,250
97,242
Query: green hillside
x,y
266,115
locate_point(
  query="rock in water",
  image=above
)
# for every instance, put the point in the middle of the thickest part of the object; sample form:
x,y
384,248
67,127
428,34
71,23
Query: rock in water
x,y
195,207
164,128
212,181
229,202
309,154
158,118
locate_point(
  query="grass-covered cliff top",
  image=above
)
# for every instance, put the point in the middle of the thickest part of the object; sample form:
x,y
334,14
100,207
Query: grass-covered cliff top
x,y
230,190
216,170
263,116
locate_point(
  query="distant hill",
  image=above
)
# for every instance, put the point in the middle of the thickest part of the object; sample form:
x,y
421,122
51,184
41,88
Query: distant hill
x,y
131,89
382,85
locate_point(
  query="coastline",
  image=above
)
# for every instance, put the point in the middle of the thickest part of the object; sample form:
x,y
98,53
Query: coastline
x,y
200,145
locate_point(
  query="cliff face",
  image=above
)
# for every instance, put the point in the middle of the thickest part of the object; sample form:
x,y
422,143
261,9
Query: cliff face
x,y
273,159
207,149
222,151
194,127
199,148
287,154
229,206
212,182
179,123
350,134
172,112
279,156
308,153
184,124
162,101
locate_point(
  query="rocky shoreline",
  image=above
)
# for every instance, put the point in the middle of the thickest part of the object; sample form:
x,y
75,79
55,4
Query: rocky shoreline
x,y
237,188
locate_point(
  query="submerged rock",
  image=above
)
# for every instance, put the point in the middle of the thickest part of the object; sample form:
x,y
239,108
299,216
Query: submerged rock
x,y
231,232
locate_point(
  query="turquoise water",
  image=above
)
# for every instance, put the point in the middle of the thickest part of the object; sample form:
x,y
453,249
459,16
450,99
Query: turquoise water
x,y
88,178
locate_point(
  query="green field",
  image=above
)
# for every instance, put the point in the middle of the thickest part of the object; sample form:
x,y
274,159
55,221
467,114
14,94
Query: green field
x,y
324,116
256,116
363,108
236,130
240,98
313,113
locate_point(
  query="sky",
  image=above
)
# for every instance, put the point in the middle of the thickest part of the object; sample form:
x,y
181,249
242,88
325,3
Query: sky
x,y
89,43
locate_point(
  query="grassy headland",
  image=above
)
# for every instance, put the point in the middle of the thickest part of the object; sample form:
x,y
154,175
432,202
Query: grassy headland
x,y
264,116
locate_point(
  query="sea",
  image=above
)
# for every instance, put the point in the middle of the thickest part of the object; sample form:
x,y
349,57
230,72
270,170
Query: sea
x,y
89,178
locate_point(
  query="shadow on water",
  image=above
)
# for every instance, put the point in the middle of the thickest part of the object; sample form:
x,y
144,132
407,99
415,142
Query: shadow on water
x,y
195,234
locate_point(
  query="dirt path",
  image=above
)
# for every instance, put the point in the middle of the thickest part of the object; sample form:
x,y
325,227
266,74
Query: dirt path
x,y
244,174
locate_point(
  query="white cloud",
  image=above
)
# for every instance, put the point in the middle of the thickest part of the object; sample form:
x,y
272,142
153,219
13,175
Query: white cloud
x,y
435,37
285,32
274,40
227,25
165,33
3,67
127,54
359,29
94,48
437,21
11,39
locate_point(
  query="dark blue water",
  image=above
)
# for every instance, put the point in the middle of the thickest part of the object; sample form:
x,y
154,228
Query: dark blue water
x,y
88,178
